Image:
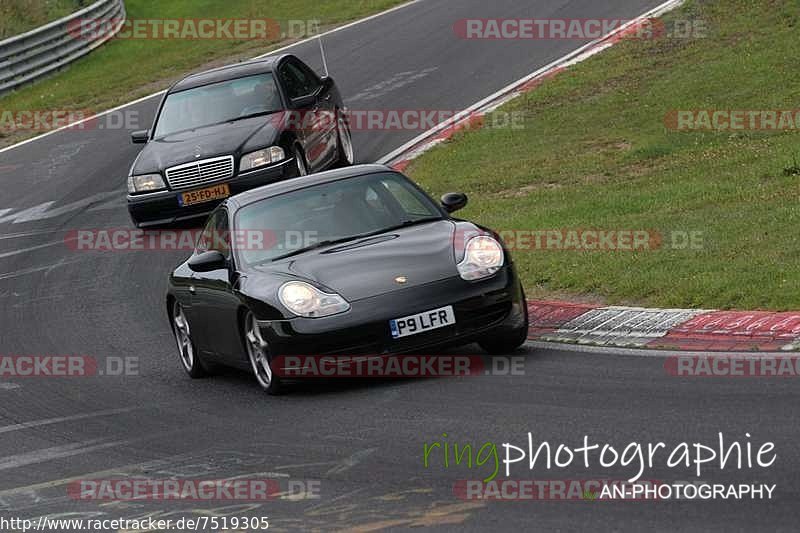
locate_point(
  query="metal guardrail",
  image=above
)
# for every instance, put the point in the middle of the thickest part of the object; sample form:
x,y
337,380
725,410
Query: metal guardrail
x,y
28,56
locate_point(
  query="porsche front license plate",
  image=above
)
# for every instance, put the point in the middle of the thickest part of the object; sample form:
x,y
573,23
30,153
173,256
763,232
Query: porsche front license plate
x,y
427,321
216,192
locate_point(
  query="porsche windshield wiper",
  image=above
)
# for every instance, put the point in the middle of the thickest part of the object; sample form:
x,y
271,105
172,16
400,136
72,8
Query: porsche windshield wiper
x,y
407,223
320,244
404,224
330,242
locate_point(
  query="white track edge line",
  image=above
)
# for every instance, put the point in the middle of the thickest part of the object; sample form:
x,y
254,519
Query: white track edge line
x,y
395,154
645,352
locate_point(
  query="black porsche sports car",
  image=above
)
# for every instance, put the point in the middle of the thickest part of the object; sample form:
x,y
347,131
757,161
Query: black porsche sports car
x,y
224,131
386,271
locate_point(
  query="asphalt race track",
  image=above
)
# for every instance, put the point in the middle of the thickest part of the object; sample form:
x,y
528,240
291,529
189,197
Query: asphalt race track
x,y
361,441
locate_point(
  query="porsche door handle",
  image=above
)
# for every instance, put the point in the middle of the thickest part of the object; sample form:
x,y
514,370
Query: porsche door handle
x,y
192,289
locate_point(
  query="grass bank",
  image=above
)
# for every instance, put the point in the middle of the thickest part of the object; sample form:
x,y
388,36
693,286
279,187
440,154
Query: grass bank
x,y
19,16
595,151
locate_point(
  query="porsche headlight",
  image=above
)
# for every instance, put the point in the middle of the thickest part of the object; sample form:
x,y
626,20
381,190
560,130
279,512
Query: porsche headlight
x,y
303,299
483,257
260,158
145,183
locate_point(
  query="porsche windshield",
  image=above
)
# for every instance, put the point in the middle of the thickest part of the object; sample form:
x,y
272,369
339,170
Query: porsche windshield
x,y
217,103
332,212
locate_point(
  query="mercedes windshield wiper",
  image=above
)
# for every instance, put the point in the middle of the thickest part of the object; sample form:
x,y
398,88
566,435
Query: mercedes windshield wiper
x,y
252,115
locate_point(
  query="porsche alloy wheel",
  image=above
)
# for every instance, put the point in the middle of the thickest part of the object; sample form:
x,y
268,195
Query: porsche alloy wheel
x,y
186,348
259,355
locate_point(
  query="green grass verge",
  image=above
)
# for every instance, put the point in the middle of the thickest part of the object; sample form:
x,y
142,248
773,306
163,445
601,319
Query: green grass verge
x,y
19,16
125,69
595,153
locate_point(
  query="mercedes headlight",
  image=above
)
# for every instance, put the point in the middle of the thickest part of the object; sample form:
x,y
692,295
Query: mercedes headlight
x,y
145,183
483,257
303,299
261,158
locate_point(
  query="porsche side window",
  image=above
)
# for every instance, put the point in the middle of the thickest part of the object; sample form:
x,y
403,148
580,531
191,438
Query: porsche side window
x,y
378,207
215,234
374,201
204,241
406,198
222,237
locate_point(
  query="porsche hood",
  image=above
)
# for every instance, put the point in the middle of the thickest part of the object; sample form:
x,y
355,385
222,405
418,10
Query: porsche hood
x,y
400,259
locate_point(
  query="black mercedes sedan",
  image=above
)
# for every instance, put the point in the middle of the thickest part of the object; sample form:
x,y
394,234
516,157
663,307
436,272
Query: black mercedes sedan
x,y
227,130
357,261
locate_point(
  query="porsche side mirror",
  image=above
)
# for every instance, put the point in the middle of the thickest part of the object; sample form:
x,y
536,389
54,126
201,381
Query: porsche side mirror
x,y
304,102
208,261
140,137
453,201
